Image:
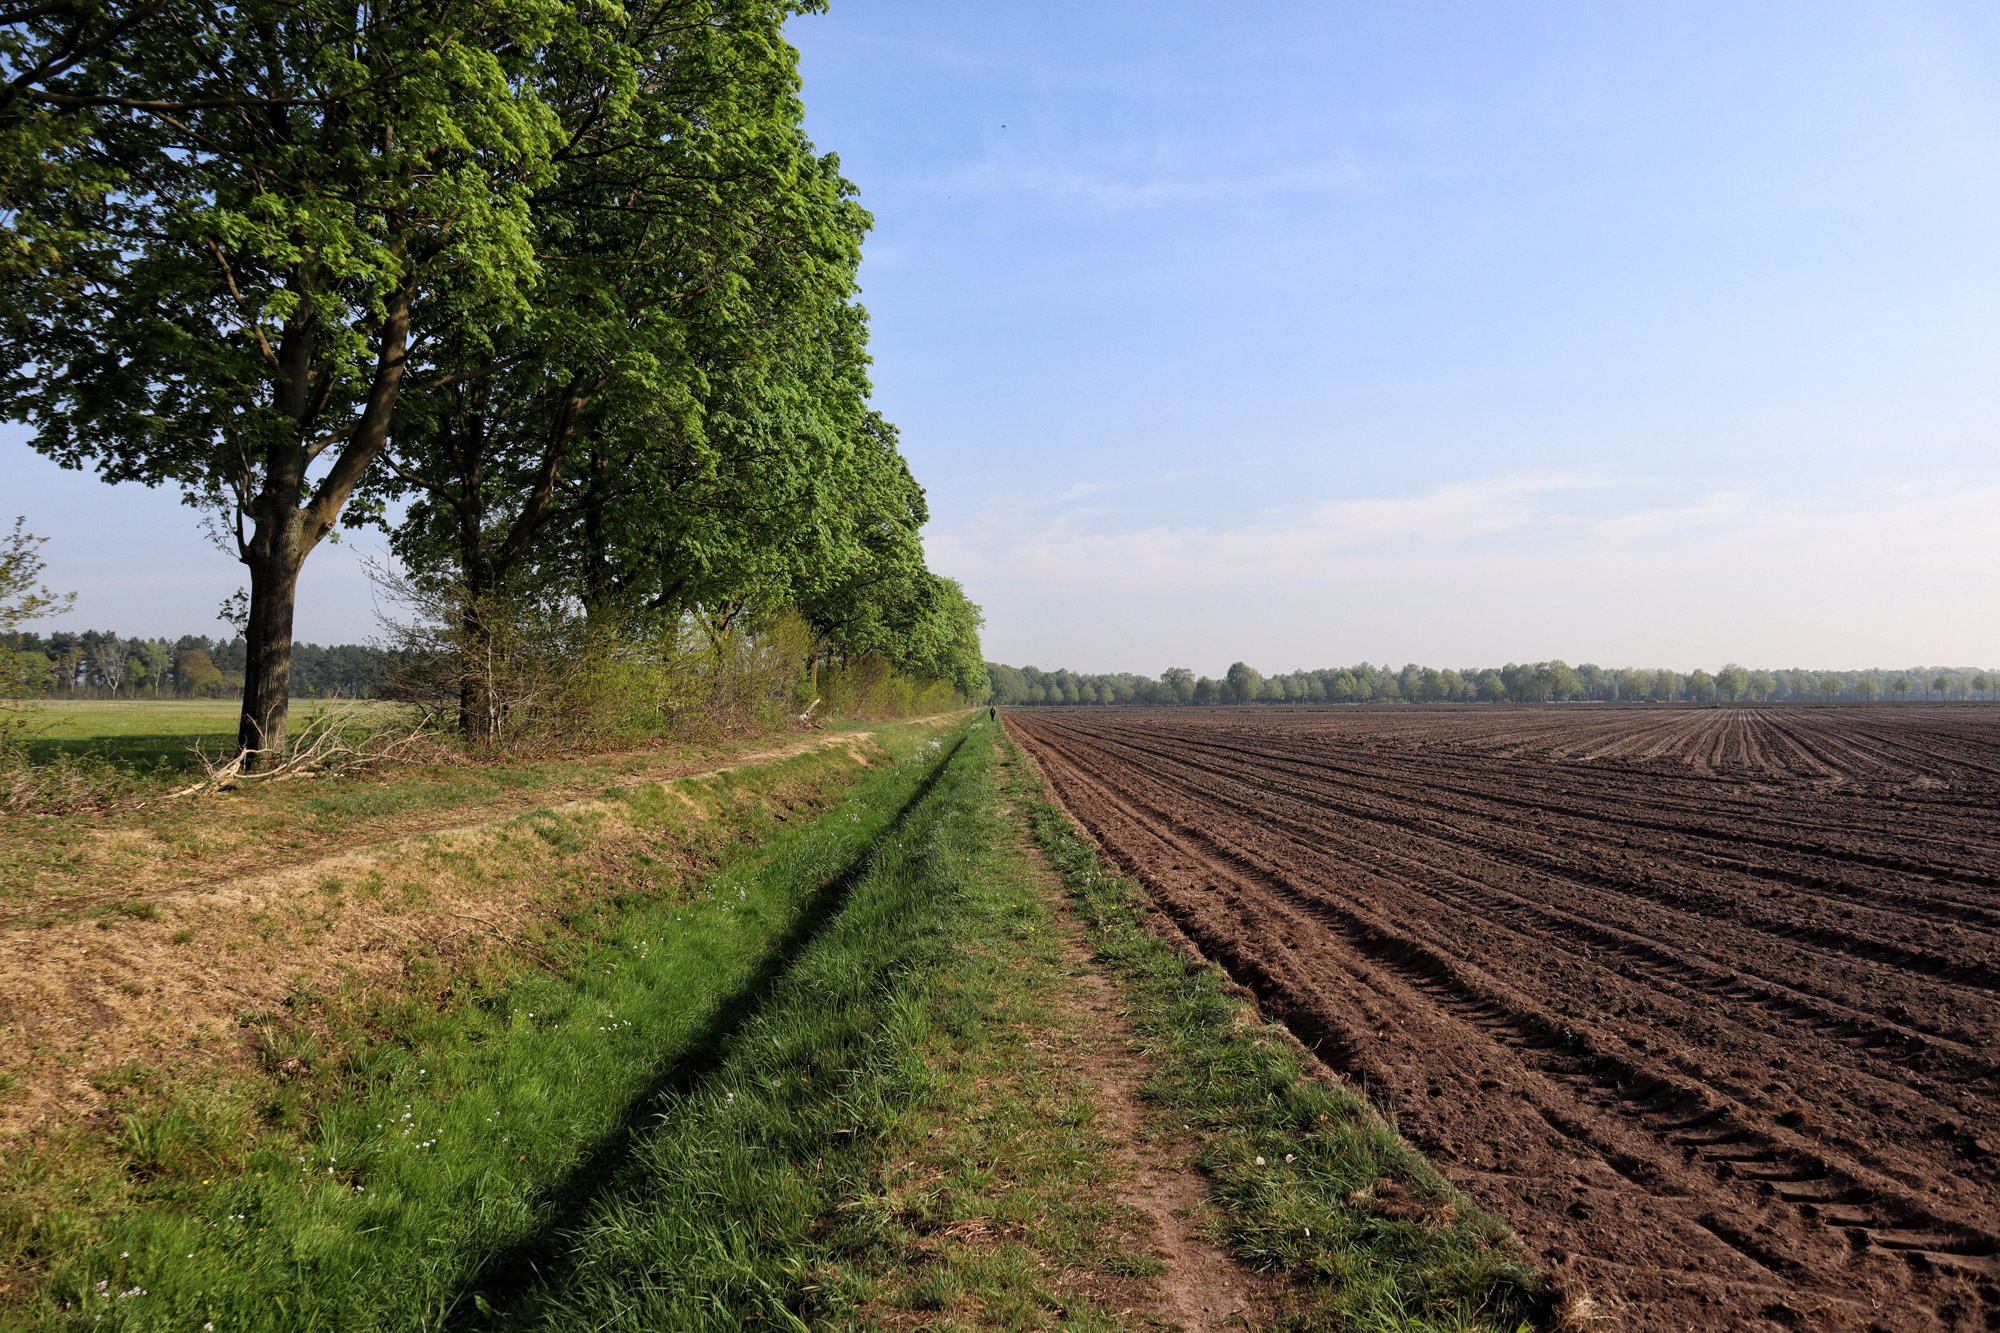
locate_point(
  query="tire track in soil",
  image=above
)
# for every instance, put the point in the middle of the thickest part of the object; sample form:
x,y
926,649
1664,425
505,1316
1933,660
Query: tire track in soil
x,y
1702,1123
1892,943
1532,860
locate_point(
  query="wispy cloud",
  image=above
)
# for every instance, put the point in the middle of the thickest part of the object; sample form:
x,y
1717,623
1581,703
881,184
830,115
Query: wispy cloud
x,y
1152,173
1042,536
1574,561
1722,509
1509,527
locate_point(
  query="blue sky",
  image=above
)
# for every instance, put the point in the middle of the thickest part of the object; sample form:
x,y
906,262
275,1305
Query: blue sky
x,y
1462,333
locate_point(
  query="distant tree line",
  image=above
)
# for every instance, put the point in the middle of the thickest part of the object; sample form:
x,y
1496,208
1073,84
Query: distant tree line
x,y
1517,682
98,664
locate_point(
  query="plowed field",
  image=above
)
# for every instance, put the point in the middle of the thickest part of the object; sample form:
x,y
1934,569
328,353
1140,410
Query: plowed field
x,y
1707,1002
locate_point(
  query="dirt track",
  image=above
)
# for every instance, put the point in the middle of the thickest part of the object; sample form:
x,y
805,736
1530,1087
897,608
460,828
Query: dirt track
x,y
1706,1002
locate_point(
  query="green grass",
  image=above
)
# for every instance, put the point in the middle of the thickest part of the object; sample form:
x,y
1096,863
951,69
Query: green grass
x,y
890,1139
469,1139
835,1088
142,735
138,734
1301,1168
91,719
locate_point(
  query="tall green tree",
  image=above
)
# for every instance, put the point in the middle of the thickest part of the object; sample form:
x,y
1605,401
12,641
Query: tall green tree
x,y
677,422
252,223
1243,682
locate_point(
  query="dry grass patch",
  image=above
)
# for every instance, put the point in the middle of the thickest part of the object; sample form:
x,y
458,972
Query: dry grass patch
x,y
166,982
142,843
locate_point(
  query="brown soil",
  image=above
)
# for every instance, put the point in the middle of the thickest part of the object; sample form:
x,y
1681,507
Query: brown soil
x,y
1704,1001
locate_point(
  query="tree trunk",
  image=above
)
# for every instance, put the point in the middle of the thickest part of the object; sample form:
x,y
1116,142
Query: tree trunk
x,y
477,720
479,698
267,675
597,575
285,530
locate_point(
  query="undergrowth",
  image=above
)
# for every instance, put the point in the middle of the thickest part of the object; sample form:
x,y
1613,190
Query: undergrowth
x,y
1311,1182
65,783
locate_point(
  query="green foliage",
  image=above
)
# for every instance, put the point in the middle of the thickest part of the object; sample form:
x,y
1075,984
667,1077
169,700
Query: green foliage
x,y
252,200
1244,683
871,688
567,277
679,429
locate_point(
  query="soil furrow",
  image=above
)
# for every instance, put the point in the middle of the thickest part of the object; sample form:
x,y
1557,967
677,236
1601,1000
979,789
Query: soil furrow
x,y
1666,988
1878,947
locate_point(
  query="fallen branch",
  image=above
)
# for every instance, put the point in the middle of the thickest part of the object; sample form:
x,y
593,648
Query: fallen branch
x,y
334,742
511,941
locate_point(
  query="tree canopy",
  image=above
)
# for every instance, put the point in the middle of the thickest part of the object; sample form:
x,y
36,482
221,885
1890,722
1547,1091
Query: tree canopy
x,y
559,292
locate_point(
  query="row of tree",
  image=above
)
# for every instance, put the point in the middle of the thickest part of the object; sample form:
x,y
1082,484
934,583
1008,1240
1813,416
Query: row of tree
x,y
102,665
1536,682
557,293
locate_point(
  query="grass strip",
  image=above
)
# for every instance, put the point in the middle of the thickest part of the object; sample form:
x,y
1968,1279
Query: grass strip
x,y
459,1147
894,1140
1311,1181
718,1210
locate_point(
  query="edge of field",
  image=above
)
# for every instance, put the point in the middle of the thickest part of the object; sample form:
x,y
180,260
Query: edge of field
x,y
801,1042
1309,1180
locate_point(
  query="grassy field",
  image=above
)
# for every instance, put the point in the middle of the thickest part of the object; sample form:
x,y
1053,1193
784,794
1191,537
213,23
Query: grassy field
x,y
786,1047
143,735
113,719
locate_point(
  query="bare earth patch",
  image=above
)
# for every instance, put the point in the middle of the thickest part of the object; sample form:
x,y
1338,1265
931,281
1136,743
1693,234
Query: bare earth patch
x,y
1203,1288
1703,1001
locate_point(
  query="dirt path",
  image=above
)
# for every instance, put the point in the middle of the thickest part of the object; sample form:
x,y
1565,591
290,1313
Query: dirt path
x,y
1707,1005
1203,1289
332,853
166,988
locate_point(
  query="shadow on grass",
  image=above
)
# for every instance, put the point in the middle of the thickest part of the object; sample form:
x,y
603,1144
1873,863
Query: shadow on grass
x,y
511,1273
173,752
